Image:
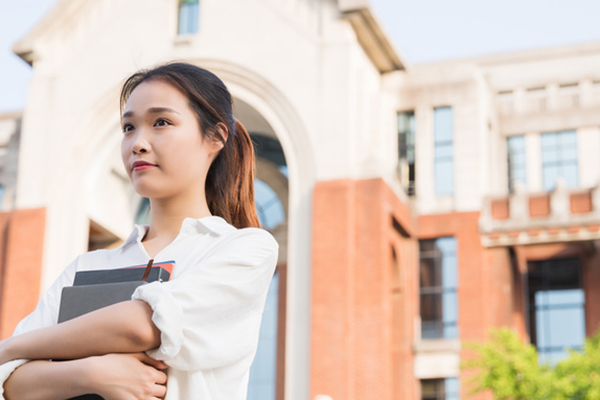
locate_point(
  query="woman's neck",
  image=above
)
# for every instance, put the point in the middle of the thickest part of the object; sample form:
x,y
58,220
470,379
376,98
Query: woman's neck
x,y
166,216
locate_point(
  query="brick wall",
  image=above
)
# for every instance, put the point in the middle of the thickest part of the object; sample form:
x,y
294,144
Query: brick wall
x,y
362,320
21,250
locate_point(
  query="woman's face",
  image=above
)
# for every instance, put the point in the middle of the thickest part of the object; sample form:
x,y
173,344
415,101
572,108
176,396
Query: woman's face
x,y
163,150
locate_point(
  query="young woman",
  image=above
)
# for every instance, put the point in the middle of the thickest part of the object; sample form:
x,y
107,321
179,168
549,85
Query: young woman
x,y
182,149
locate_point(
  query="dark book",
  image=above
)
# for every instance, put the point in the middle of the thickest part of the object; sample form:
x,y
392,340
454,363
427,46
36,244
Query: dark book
x,y
158,272
96,289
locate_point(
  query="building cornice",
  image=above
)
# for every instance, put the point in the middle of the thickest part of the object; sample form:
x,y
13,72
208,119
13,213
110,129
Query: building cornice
x,y
11,115
522,56
371,36
59,15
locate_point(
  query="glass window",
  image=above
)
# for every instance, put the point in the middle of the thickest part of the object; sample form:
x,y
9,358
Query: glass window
x,y
268,206
556,308
559,159
440,389
188,16
438,274
142,216
517,171
443,133
263,372
406,150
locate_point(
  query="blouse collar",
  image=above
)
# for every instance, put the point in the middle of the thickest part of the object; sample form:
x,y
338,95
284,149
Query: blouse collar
x,y
214,225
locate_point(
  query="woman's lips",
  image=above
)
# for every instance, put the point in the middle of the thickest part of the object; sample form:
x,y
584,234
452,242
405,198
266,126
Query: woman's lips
x,y
141,166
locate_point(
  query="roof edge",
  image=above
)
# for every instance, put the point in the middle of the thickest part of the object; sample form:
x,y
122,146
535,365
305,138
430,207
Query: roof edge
x,y
11,114
371,35
24,48
523,55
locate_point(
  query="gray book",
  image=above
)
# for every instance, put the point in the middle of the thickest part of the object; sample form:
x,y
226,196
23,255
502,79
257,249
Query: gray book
x,y
96,289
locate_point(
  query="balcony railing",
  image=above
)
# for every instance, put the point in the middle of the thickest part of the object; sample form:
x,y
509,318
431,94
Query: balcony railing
x,y
551,98
524,218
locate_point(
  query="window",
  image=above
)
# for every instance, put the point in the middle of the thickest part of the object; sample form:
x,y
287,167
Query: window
x,y
556,308
559,158
142,216
443,134
440,389
263,372
438,273
188,16
406,150
516,161
266,381
268,205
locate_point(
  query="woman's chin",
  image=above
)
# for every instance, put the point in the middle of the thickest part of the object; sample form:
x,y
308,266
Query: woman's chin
x,y
148,192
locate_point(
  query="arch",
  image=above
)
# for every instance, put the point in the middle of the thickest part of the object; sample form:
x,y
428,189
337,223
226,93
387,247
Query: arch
x,y
287,124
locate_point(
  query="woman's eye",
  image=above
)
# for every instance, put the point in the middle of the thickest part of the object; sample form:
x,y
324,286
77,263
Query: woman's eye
x,y
127,128
161,122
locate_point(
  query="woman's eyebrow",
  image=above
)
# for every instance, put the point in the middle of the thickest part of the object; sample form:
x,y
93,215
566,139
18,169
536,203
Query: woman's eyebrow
x,y
156,110
153,110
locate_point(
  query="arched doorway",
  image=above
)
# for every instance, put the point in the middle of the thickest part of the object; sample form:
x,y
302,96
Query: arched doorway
x,y
267,374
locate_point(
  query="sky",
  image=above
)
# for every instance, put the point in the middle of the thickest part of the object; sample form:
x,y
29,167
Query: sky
x,y
421,30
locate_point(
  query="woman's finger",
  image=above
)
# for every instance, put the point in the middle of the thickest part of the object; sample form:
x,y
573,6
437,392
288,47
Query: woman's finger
x,y
160,377
160,391
146,359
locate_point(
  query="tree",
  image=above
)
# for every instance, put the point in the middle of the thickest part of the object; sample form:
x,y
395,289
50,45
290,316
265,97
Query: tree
x,y
510,369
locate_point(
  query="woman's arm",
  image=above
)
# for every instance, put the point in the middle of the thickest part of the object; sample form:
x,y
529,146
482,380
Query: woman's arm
x,y
47,380
114,376
125,327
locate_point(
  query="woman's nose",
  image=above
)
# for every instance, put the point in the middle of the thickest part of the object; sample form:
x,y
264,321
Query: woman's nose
x,y
140,144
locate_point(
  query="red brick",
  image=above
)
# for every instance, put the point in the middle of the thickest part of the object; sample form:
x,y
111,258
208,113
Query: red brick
x,y
539,206
21,254
500,209
581,202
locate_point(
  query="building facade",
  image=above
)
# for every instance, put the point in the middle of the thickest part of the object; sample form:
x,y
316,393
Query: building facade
x,y
416,206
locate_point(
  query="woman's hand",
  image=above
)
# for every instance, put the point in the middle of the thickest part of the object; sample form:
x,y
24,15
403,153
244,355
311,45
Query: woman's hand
x,y
128,377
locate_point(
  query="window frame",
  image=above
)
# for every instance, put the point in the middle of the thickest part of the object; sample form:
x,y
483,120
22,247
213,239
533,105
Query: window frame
x,y
406,150
441,145
562,161
541,270
440,392
440,293
513,165
191,11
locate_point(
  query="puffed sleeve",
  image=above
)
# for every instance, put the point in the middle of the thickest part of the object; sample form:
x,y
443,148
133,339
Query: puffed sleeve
x,y
44,315
210,315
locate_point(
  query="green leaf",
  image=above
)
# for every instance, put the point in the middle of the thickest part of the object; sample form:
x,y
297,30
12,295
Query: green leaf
x,y
510,369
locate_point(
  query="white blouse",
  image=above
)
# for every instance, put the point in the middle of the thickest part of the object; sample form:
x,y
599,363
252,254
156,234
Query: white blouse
x,y
209,313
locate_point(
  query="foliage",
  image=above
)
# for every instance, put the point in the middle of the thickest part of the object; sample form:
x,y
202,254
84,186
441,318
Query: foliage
x,y
510,369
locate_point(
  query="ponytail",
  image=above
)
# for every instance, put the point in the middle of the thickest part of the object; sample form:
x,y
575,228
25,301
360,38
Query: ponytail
x,y
230,181
229,184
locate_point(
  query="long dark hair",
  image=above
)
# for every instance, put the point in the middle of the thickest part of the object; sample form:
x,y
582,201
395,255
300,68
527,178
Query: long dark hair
x,y
230,180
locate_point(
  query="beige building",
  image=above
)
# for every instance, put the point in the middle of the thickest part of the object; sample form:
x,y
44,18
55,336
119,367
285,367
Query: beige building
x,y
415,205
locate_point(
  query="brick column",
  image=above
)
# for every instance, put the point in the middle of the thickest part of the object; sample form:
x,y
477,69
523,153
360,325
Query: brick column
x,y
352,353
21,251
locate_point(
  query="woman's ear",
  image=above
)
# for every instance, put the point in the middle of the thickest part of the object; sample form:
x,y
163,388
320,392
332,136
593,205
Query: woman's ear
x,y
222,132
